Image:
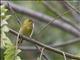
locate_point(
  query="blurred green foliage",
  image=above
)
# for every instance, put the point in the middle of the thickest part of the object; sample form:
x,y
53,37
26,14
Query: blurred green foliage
x,y
7,48
50,35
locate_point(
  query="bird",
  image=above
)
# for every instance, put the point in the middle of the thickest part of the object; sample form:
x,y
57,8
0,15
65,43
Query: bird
x,y
26,29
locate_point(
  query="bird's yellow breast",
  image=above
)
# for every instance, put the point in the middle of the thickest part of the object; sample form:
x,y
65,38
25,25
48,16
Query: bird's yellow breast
x,y
26,27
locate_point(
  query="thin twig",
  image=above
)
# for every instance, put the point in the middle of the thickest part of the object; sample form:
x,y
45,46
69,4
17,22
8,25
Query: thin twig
x,y
75,13
42,49
64,56
39,49
17,45
75,9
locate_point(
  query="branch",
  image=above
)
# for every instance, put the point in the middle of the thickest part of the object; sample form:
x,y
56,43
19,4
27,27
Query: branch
x,y
32,48
76,40
45,46
36,15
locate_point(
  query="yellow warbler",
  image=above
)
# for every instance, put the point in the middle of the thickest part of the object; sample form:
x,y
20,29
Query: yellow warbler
x,y
26,28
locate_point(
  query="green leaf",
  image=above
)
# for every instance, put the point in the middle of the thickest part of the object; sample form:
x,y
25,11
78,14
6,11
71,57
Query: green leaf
x,y
3,22
9,53
5,29
10,49
18,58
5,42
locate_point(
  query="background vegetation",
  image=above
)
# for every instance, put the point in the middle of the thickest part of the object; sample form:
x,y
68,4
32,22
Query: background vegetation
x,y
66,12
